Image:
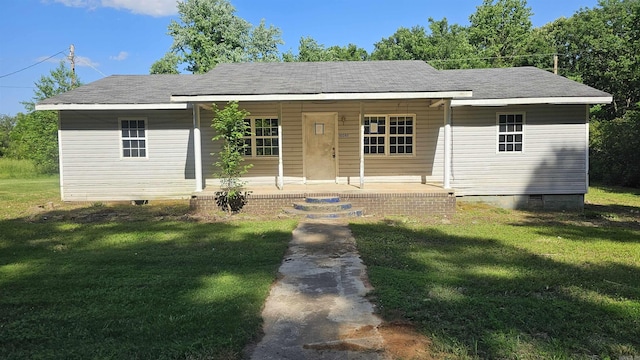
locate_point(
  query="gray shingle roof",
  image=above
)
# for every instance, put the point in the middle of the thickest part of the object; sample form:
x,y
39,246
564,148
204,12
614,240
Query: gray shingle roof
x,y
326,77
521,82
319,78
125,89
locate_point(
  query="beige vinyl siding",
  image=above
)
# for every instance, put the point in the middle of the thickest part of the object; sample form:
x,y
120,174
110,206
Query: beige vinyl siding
x,y
427,125
93,168
419,166
553,160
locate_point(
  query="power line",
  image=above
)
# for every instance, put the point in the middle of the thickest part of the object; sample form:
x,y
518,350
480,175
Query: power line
x,y
492,57
32,65
80,59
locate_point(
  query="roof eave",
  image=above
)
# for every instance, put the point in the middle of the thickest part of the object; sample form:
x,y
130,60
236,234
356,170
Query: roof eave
x,y
153,106
323,96
585,100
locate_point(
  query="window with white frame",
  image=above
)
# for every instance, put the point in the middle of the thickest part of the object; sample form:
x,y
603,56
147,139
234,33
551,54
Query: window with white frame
x,y
134,138
389,135
510,132
262,140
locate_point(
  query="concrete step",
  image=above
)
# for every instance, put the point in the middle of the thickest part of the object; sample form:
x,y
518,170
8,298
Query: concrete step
x,y
322,206
322,199
326,215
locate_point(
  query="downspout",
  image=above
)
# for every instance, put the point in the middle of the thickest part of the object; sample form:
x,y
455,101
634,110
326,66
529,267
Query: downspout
x,y
361,117
446,176
280,162
197,147
586,153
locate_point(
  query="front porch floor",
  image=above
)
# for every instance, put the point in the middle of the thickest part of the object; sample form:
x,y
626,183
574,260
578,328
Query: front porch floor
x,y
413,199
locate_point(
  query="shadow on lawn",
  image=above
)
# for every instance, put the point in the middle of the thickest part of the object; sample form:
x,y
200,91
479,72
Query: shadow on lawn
x,y
618,223
140,283
483,298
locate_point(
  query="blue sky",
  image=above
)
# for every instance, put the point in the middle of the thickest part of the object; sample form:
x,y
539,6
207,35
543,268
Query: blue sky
x,y
127,36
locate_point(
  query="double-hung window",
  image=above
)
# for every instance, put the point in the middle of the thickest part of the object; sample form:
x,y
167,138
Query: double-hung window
x,y
134,137
389,135
262,138
511,132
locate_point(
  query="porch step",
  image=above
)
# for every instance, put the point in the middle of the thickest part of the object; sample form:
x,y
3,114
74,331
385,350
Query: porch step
x,y
324,207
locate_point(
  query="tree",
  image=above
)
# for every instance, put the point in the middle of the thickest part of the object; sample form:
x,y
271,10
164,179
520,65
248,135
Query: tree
x,y
7,123
59,80
168,64
500,30
310,50
350,52
601,47
231,128
444,47
263,43
209,32
35,134
404,44
614,155
35,137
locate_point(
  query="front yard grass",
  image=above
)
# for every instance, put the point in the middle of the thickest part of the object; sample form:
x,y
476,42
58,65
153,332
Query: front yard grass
x,y
125,282
500,284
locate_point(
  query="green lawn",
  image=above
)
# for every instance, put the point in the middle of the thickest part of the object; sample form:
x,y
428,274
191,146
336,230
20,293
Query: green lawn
x,y
127,282
514,285
152,282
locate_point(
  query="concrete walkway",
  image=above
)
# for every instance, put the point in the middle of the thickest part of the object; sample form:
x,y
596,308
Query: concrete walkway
x,y
318,309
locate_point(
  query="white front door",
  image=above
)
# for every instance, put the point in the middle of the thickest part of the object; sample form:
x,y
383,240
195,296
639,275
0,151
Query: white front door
x,y
320,146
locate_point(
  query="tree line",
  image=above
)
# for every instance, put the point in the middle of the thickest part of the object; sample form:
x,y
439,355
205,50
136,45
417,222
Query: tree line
x,y
598,46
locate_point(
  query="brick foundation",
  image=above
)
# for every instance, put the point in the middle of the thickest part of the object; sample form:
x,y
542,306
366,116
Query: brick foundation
x,y
379,204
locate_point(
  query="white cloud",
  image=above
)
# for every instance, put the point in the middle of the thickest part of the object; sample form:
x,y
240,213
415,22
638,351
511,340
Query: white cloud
x,y
121,56
155,8
85,61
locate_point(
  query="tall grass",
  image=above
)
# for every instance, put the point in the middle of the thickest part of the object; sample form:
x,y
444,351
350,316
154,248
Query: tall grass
x,y
18,169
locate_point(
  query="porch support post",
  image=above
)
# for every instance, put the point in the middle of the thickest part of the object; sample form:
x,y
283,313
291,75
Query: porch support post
x,y
280,164
446,176
197,147
361,119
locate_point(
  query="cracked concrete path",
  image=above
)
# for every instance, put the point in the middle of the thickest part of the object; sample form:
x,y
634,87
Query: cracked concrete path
x,y
317,309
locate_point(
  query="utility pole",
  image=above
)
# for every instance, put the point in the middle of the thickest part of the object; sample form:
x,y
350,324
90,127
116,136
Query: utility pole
x,y
72,59
555,64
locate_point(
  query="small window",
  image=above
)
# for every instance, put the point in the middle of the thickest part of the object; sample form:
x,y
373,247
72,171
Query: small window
x,y
262,140
510,132
389,135
134,138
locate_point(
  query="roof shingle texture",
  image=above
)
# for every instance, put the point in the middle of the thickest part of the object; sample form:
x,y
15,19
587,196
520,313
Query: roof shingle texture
x,y
520,82
125,89
320,78
326,77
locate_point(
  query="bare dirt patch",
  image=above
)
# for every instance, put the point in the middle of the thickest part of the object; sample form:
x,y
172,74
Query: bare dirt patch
x,y
402,341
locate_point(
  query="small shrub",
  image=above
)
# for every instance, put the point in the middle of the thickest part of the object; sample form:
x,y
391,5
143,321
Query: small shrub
x,y
231,128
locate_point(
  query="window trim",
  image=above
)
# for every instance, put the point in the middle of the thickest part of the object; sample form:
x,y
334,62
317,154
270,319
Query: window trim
x,y
387,135
253,137
523,132
146,137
